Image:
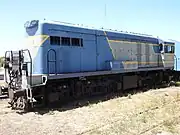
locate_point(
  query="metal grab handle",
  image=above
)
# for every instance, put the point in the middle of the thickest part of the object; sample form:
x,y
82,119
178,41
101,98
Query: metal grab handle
x,y
54,61
176,60
5,62
11,60
26,50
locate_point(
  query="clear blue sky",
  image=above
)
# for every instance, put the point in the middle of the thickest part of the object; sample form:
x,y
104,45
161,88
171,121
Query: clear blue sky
x,y
156,17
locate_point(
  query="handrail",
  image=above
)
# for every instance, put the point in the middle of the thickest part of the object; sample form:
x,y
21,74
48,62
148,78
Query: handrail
x,y
5,70
30,64
48,61
176,60
11,59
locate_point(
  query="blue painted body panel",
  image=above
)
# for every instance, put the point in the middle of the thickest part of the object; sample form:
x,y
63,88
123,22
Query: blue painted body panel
x,y
93,56
104,53
69,58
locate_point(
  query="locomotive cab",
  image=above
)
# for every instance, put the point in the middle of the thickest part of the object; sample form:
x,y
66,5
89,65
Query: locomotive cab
x,y
166,50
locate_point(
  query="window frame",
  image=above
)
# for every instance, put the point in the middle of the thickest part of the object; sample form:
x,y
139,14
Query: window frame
x,y
74,42
66,41
55,40
169,48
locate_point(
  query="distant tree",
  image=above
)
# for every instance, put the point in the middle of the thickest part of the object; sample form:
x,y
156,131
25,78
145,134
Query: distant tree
x,y
1,61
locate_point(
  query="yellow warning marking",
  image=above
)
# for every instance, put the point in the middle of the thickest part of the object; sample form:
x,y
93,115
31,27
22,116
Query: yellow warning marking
x,y
143,62
128,42
37,40
109,44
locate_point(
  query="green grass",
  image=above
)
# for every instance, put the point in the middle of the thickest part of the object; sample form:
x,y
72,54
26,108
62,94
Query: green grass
x,y
177,83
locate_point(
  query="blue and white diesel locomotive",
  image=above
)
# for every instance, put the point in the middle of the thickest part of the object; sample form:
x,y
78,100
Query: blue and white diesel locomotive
x,y
64,61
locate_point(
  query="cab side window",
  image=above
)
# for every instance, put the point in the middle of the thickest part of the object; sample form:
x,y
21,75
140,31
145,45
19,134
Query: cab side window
x,y
169,49
166,49
160,47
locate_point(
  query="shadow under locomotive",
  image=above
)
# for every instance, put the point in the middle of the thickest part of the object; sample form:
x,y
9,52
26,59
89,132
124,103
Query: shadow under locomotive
x,y
87,100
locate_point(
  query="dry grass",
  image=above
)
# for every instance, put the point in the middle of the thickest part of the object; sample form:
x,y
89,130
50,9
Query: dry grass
x,y
144,113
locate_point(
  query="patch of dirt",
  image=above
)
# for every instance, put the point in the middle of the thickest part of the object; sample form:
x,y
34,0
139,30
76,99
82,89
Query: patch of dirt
x,y
148,113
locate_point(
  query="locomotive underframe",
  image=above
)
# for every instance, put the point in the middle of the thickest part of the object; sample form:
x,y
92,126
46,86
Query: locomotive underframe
x,y
61,91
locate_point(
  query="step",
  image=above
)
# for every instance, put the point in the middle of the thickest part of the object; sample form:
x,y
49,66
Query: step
x,y
3,96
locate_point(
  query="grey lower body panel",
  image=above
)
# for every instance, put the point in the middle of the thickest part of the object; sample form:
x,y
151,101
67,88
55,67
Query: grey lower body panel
x,y
96,73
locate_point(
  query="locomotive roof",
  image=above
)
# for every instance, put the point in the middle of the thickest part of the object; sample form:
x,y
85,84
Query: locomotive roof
x,y
168,41
103,29
93,28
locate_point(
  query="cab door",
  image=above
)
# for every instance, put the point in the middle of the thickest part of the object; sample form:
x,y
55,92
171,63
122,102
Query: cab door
x,y
168,56
161,59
